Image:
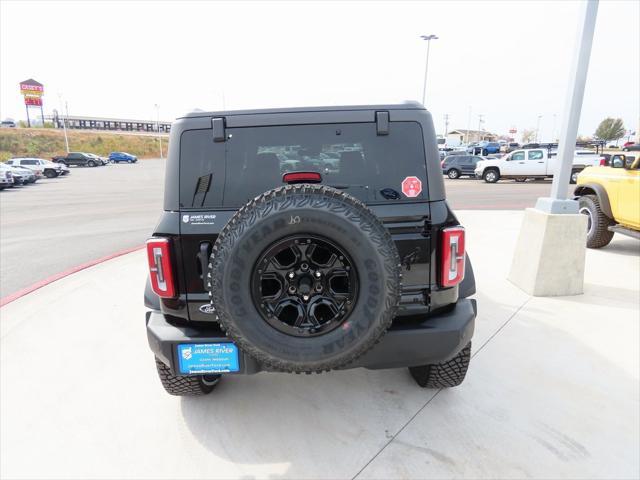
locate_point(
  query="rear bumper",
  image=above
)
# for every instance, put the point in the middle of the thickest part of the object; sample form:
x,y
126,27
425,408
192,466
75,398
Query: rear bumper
x,y
437,339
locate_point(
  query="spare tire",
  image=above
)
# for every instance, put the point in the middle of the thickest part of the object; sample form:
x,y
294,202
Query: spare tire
x,y
304,278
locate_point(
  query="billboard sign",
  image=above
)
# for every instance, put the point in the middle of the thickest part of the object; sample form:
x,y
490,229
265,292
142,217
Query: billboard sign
x,y
32,91
31,88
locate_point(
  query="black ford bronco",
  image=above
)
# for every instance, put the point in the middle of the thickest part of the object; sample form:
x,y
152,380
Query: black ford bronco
x,y
306,240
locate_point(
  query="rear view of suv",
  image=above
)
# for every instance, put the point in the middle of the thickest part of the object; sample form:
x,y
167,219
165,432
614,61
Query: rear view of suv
x,y
307,240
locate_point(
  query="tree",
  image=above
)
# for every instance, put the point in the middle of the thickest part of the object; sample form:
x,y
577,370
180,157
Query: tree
x,y
610,129
528,134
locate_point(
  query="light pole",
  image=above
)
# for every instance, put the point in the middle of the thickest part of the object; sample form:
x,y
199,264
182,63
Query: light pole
x,y
538,128
64,123
158,128
428,38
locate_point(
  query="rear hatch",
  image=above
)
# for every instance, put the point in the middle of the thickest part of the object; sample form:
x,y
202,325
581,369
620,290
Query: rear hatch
x,y
387,171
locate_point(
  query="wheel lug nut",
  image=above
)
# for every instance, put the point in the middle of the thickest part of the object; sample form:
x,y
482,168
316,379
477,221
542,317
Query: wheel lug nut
x,y
305,297
318,274
291,274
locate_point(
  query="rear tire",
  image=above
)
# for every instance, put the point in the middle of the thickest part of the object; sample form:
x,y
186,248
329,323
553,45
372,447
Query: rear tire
x,y
443,375
598,234
453,174
491,176
91,163
50,174
485,152
181,386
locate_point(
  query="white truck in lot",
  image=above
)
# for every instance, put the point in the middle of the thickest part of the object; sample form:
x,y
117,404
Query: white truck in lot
x,y
532,163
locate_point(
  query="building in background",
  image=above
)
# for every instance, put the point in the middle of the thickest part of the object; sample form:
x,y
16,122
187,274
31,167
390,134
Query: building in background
x,y
118,124
470,136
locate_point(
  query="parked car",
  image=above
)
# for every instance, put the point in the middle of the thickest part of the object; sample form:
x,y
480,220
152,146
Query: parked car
x,y
6,177
306,277
455,166
484,148
509,147
117,157
39,165
23,176
98,158
634,147
79,159
609,197
7,124
628,144
530,163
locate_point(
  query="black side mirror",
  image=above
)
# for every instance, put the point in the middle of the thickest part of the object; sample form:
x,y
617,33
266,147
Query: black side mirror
x,y
618,161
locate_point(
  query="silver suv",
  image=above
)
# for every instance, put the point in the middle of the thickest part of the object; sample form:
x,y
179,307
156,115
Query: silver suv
x,y
41,166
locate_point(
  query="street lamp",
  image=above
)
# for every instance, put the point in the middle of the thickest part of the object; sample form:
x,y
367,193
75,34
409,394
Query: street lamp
x,y
158,128
428,38
64,123
538,128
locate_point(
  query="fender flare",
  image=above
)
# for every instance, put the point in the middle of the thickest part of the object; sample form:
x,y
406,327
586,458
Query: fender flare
x,y
468,284
599,190
491,167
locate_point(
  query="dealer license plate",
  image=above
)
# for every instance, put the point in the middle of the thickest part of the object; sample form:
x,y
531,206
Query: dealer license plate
x,y
201,358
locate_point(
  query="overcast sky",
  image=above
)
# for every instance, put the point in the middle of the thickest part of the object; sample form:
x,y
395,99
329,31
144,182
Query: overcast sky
x,y
508,61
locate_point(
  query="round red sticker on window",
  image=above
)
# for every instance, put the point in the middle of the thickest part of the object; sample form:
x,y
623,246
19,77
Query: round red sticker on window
x,y
411,187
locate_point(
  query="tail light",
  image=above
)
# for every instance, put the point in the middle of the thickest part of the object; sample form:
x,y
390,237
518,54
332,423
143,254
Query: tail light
x,y
603,162
452,266
160,269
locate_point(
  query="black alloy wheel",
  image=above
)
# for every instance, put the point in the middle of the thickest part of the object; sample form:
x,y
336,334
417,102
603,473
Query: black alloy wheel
x,y
304,285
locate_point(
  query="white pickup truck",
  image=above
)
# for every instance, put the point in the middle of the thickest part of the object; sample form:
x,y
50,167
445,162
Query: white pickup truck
x,y
532,163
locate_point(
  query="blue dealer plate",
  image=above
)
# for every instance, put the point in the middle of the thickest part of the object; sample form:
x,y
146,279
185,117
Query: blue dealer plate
x,y
208,358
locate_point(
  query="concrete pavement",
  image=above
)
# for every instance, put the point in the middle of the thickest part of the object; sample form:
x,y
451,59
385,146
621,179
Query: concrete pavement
x,y
552,391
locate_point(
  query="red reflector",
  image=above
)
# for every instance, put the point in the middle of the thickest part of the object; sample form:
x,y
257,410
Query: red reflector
x,y
302,177
160,269
452,266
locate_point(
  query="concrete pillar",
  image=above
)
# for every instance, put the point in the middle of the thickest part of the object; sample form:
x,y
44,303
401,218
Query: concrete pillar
x,y
550,253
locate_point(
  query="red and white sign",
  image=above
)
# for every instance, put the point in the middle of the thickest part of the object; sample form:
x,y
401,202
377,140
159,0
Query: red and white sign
x,y
33,101
411,187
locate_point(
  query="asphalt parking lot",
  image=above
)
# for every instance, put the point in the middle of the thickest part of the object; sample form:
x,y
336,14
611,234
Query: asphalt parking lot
x,y
94,212
62,222
552,390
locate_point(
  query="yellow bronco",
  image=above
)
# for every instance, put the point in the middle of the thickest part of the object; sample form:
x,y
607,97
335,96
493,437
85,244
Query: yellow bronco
x,y
610,197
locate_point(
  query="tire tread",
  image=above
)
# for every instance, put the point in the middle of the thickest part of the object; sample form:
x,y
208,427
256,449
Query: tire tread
x,y
446,374
305,195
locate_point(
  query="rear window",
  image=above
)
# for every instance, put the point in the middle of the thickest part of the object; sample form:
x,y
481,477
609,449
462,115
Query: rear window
x,y
350,157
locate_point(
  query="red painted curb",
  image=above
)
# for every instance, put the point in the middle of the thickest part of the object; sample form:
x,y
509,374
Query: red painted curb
x,y
64,273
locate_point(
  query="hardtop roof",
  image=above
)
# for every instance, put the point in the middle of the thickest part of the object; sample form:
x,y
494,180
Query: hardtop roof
x,y
267,111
